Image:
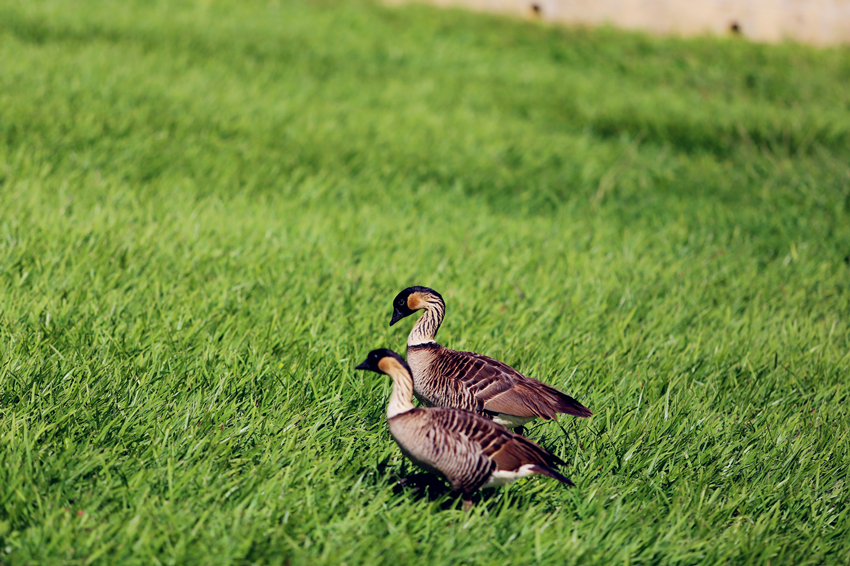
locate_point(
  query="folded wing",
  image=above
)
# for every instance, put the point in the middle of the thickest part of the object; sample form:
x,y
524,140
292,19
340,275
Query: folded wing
x,y
501,389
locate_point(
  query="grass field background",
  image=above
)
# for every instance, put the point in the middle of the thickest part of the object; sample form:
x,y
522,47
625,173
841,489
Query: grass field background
x,y
206,208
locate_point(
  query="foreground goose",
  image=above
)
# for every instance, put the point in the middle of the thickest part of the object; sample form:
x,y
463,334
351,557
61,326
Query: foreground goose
x,y
468,450
448,378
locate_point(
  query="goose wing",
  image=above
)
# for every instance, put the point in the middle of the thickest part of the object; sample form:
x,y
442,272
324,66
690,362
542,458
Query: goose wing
x,y
501,449
510,452
502,389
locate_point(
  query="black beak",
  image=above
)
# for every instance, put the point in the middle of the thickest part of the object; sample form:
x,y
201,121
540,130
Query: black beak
x,y
364,365
397,316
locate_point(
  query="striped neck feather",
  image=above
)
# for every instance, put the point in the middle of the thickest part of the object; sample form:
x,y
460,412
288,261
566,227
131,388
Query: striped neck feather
x,y
425,329
401,399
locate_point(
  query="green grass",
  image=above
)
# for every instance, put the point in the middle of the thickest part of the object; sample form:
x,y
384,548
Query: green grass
x,y
207,207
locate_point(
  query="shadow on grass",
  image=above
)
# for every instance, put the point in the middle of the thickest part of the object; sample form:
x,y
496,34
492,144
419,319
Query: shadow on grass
x,y
428,487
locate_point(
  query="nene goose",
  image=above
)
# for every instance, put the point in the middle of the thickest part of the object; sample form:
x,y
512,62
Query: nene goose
x,y
468,450
448,378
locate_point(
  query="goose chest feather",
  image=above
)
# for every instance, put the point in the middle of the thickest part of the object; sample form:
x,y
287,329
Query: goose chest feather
x,y
449,378
470,451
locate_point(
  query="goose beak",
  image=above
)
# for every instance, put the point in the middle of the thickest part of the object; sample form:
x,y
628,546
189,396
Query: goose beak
x,y
397,316
364,365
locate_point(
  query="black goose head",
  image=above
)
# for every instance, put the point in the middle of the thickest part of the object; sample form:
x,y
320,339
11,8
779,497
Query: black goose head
x,y
411,300
375,357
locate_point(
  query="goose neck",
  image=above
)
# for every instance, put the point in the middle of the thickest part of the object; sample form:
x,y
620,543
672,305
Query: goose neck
x,y
401,399
425,329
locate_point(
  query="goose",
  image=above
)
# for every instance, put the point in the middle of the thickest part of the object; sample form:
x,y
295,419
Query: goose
x,y
468,450
449,378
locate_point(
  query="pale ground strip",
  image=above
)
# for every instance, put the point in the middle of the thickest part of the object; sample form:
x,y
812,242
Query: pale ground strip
x,y
815,22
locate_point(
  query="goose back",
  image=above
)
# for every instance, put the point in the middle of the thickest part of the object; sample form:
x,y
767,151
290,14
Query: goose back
x,y
451,378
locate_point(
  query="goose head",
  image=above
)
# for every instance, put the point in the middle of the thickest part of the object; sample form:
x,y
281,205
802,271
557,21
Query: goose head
x,y
389,363
385,361
411,300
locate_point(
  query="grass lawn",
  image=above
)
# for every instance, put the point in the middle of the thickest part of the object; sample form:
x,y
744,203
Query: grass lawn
x,y
207,207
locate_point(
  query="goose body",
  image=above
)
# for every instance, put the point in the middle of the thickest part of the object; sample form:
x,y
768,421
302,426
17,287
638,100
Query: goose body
x,y
449,378
468,450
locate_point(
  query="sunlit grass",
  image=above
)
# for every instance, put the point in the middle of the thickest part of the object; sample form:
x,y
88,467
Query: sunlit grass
x,y
206,209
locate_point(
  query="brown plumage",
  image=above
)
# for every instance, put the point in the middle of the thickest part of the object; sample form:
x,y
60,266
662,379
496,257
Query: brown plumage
x,y
468,450
449,378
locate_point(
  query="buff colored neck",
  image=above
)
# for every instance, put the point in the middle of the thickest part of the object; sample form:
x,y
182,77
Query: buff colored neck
x,y
401,399
425,329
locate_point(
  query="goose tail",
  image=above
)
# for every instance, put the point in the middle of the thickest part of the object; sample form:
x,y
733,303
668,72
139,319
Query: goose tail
x,y
547,471
567,405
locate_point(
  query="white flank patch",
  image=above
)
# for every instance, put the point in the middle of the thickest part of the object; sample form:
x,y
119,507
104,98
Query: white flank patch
x,y
510,421
504,477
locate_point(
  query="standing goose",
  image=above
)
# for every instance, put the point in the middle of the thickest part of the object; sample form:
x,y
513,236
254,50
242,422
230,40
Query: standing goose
x,y
468,450
448,378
